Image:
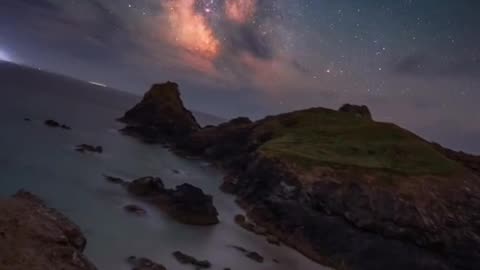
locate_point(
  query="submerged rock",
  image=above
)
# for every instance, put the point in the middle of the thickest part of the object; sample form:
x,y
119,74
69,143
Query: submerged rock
x,y
187,259
82,148
113,179
35,237
53,124
135,209
143,263
250,254
146,186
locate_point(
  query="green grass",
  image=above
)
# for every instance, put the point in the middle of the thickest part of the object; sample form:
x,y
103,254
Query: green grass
x,y
325,137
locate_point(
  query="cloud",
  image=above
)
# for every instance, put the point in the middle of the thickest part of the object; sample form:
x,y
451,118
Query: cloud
x,y
240,11
190,30
426,65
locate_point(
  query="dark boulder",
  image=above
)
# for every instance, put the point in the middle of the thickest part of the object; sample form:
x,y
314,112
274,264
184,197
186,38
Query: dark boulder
x,y
359,110
186,203
135,209
250,254
146,186
52,123
187,259
113,179
83,148
190,205
144,264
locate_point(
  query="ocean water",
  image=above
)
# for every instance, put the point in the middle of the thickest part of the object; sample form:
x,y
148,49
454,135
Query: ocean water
x,y
42,160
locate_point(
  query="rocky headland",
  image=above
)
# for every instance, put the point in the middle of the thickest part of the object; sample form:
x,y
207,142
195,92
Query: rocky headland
x,y
336,185
36,237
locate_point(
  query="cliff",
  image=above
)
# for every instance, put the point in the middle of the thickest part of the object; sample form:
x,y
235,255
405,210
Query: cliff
x,y
348,191
36,237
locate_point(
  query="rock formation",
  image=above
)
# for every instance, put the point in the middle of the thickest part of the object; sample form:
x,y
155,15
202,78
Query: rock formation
x,y
347,191
35,237
144,264
82,148
161,114
187,259
185,203
360,111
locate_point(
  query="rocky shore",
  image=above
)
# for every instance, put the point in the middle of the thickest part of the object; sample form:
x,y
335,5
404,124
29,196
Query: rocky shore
x,y
35,237
344,190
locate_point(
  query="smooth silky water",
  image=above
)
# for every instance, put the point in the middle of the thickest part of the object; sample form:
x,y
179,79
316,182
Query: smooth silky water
x,y
42,160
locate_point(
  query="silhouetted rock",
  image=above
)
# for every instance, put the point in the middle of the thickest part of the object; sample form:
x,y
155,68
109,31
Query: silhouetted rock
x,y
35,237
186,203
250,254
82,148
113,179
144,264
190,205
187,259
135,209
359,110
52,123
161,114
146,187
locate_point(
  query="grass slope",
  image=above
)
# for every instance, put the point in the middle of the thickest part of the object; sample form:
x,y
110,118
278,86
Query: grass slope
x,y
325,137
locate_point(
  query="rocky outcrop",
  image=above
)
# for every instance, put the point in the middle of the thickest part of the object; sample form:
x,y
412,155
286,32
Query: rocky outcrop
x,y
144,264
160,115
358,110
35,237
187,259
53,124
186,203
83,148
342,215
250,254
135,209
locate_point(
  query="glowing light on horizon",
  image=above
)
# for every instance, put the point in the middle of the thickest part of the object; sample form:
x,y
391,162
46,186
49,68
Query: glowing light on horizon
x,y
97,84
4,56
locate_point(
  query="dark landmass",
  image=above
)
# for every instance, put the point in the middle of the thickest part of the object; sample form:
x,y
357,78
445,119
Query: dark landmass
x,y
35,237
186,203
341,188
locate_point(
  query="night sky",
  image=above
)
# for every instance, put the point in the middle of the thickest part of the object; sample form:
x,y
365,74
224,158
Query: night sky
x,y
413,62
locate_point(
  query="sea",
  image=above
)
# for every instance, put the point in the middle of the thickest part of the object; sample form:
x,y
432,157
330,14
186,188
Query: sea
x,y
42,160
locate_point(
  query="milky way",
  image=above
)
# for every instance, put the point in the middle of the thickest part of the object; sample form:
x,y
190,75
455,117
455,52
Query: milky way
x,y
415,63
